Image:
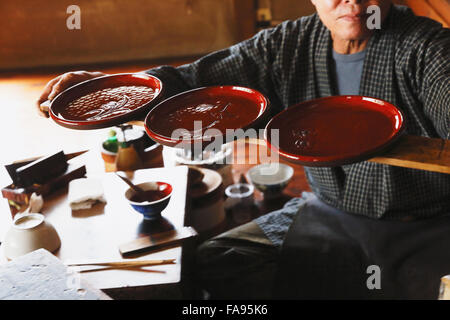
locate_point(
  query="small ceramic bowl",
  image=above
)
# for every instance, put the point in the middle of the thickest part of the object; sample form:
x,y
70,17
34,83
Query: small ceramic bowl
x,y
151,210
28,233
271,178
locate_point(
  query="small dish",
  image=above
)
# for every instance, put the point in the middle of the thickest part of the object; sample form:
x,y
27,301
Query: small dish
x,y
159,194
28,233
271,178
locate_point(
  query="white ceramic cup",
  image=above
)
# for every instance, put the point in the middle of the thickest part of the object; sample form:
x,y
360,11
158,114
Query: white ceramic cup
x,y
271,178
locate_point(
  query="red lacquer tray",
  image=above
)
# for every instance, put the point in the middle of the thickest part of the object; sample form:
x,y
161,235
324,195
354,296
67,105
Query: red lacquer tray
x,y
203,114
334,131
106,101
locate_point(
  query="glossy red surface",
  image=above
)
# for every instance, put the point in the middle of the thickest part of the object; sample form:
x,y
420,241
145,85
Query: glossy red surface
x,y
204,113
164,190
334,131
106,101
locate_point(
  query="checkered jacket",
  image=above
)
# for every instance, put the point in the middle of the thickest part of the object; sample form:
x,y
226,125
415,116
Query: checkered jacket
x,y
407,64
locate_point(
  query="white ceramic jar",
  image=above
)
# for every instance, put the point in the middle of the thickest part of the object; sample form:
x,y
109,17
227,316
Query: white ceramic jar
x,y
28,233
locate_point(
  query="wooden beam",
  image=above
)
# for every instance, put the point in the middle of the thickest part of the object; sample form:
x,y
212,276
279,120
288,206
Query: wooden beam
x,y
413,152
418,153
409,151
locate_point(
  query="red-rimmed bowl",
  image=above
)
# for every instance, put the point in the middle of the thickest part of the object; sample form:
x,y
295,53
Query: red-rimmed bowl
x,y
106,101
204,114
151,209
334,131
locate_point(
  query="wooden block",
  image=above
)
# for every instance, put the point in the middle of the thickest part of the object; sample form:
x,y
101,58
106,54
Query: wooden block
x,y
11,168
157,241
21,196
39,275
42,170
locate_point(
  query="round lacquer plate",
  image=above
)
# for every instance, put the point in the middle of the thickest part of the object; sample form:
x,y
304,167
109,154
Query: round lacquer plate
x,y
204,114
334,131
106,101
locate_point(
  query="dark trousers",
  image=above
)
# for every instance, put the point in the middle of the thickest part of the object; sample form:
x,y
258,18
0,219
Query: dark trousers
x,y
238,264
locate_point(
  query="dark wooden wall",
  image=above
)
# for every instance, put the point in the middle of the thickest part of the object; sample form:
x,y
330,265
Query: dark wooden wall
x,y
438,10
34,32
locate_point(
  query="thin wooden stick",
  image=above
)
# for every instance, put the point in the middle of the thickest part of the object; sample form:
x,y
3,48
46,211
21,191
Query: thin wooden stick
x,y
125,264
122,268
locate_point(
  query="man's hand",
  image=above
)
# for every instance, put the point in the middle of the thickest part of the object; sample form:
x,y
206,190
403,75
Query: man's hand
x,y
59,84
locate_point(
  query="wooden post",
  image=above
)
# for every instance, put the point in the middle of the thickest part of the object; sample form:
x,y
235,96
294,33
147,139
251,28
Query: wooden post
x,y
245,12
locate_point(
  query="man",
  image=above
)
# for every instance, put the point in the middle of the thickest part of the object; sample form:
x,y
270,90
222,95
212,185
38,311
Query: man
x,y
405,62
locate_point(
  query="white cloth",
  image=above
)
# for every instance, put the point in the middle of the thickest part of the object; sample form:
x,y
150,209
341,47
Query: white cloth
x,y
84,193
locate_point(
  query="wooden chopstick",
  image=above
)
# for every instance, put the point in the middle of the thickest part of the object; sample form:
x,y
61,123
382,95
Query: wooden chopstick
x,y
125,264
122,268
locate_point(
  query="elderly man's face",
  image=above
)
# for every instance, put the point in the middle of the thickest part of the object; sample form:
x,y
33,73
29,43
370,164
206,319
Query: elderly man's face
x,y
347,19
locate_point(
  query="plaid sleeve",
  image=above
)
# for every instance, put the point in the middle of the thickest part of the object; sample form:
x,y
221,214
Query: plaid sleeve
x,y
249,63
436,82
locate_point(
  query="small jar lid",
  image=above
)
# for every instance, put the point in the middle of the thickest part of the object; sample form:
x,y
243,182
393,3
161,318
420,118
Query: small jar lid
x,y
239,194
239,190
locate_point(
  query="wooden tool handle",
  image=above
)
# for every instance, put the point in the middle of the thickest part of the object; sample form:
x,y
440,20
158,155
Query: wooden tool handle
x,y
157,241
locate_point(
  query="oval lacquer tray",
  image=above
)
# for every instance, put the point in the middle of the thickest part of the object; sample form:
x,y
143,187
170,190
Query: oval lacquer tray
x,y
334,131
106,101
204,114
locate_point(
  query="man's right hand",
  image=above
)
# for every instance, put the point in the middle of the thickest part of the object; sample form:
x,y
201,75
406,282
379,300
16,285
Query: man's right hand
x,y
59,84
